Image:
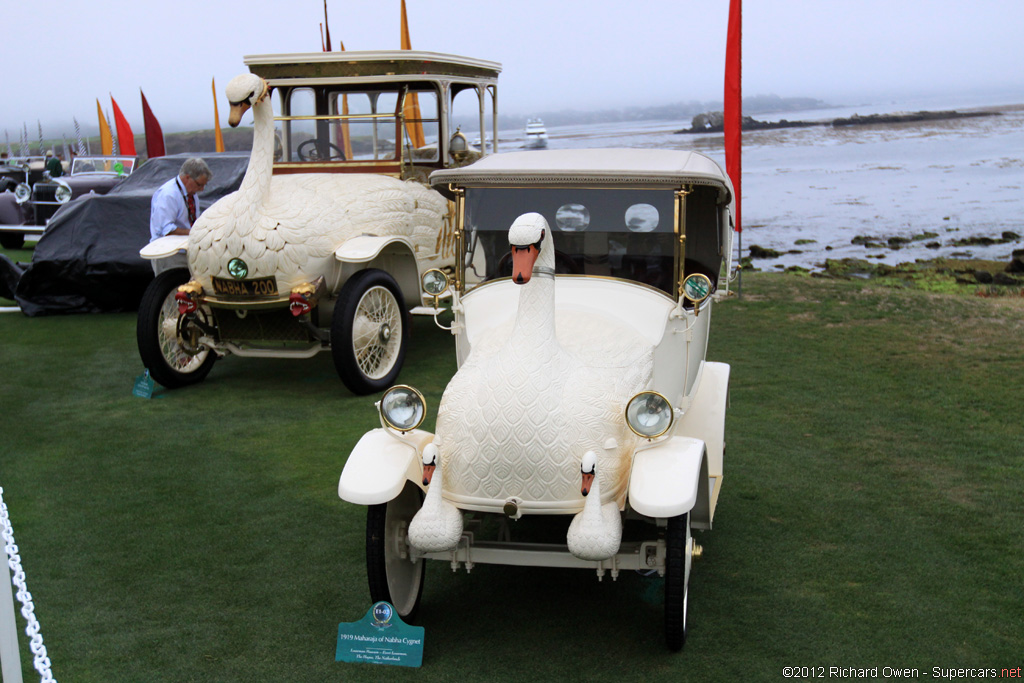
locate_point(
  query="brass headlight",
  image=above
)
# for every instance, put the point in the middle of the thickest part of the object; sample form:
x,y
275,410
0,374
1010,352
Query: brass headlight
x,y
435,282
649,414
402,408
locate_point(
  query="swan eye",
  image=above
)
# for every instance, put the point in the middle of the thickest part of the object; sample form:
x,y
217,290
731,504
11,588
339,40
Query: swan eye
x,y
649,414
402,408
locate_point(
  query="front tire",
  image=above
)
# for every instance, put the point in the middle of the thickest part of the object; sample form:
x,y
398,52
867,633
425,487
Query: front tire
x,y
369,332
392,575
678,558
157,335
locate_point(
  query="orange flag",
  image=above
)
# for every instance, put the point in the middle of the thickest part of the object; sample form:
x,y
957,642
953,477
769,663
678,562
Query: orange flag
x,y
125,137
346,134
218,135
413,126
106,139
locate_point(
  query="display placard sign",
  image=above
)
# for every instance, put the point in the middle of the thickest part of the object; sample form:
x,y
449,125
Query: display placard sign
x,y
380,637
144,385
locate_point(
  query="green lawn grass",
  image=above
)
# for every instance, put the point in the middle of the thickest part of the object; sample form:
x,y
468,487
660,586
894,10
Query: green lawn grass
x,y
871,511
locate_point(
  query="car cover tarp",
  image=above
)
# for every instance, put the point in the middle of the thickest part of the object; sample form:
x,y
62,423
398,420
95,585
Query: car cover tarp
x,y
87,260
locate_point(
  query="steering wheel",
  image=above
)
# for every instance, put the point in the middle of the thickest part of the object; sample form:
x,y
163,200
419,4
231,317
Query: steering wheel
x,y
309,151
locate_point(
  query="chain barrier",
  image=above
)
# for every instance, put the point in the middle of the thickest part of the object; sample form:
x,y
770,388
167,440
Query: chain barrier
x,y
40,658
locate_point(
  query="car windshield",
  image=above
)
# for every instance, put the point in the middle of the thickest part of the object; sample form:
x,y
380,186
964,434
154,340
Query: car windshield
x,y
116,165
617,233
322,124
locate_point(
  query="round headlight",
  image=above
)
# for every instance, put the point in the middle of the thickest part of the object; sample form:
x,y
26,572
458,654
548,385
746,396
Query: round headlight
x,y
649,414
403,408
22,192
435,282
63,193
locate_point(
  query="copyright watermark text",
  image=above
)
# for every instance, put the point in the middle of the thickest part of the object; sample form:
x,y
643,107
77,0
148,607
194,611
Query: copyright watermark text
x,y
897,672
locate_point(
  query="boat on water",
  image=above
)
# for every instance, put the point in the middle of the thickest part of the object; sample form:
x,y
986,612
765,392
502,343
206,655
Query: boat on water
x,y
536,135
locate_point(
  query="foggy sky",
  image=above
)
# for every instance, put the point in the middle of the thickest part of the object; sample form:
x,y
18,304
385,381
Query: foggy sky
x,y
556,54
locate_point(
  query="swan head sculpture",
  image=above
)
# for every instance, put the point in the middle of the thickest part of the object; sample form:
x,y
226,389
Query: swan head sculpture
x,y
526,236
588,468
430,453
244,91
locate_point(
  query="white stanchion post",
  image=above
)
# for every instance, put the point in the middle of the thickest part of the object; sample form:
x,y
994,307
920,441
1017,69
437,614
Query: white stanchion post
x,y
10,658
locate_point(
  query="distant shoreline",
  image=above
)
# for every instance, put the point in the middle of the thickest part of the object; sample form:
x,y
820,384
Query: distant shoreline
x,y
714,122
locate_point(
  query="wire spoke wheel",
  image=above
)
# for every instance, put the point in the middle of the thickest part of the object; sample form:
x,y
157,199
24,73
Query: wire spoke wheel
x,y
168,344
369,332
377,332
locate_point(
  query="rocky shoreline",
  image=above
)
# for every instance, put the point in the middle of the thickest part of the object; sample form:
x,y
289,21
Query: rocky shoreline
x,y
714,122
959,269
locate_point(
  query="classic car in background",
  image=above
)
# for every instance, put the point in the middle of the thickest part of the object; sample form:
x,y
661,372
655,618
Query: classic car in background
x,y
87,260
584,427
27,209
17,170
323,245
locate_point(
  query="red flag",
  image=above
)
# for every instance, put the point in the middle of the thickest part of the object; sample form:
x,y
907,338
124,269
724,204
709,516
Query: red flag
x,y
154,134
733,113
125,138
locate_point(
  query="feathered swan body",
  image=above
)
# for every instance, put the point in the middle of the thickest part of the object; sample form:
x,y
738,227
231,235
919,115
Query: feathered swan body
x,y
289,226
516,422
437,526
596,532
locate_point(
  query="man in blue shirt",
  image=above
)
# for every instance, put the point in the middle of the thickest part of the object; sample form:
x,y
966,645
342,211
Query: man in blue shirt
x,y
173,208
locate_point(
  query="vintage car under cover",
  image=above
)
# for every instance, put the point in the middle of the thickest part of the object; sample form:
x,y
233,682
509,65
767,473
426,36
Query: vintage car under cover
x,y
31,204
88,259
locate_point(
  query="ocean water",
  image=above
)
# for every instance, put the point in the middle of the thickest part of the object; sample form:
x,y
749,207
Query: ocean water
x,y
933,182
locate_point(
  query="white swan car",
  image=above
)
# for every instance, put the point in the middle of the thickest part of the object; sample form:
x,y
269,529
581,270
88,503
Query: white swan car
x,y
323,245
584,427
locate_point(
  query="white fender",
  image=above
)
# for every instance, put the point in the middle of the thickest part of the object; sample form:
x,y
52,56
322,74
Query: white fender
x,y
365,248
380,464
164,247
670,478
705,418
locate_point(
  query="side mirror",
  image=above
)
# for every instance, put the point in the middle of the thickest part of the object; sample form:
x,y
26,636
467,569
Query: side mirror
x,y
435,283
696,288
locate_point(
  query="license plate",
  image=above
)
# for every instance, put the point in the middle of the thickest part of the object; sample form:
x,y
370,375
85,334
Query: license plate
x,y
261,286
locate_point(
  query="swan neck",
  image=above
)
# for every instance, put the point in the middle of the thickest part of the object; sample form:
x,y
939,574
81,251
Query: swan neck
x,y
535,319
256,183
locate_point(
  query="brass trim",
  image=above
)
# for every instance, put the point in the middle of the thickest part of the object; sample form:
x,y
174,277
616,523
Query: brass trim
x,y
460,223
384,418
680,229
672,413
341,117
